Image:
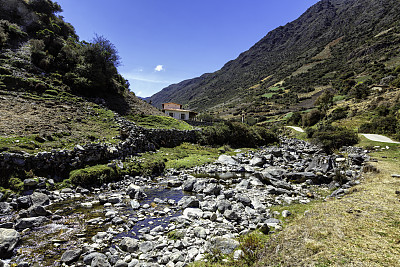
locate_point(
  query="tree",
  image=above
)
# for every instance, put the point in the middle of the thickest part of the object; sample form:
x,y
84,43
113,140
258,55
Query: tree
x,y
324,101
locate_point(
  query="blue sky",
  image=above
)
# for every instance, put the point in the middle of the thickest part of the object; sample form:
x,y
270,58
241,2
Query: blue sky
x,y
166,41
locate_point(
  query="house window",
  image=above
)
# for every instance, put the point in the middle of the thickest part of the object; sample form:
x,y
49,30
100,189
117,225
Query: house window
x,y
183,117
171,114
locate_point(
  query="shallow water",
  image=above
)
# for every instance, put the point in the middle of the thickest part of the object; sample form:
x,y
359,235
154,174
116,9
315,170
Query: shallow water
x,y
46,244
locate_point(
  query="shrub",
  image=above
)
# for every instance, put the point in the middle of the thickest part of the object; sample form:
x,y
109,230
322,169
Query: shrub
x,y
331,138
98,174
381,125
311,118
295,119
252,245
237,134
339,113
16,185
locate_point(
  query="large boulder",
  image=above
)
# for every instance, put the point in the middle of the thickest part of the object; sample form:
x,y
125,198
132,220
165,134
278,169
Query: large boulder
x,y
8,239
227,160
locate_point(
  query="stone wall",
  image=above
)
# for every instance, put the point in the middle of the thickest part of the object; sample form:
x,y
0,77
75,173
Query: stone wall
x,y
58,163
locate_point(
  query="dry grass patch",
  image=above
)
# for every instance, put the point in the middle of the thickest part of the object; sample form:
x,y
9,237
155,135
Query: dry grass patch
x,y
361,229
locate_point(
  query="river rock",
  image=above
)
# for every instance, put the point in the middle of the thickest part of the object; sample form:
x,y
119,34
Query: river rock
x,y
30,182
223,205
200,232
146,246
189,202
135,204
199,186
193,213
174,183
188,184
40,199
222,244
231,215
245,200
30,222
257,161
115,198
129,244
71,255
36,211
5,208
136,192
24,202
212,189
100,262
227,160
8,239
301,177
121,263
89,258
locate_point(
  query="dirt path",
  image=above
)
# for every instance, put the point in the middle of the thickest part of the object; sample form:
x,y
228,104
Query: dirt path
x,y
379,138
298,129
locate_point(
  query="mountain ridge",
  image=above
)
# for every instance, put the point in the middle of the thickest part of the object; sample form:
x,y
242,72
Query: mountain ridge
x,y
286,49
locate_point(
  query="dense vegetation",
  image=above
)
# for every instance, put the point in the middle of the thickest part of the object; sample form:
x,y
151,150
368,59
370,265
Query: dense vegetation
x,y
237,134
41,52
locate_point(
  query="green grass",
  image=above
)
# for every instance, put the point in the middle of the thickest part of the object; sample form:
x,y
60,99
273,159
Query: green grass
x,y
268,95
159,122
363,79
150,163
188,155
337,98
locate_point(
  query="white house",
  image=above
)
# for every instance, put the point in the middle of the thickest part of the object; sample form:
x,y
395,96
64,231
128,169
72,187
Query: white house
x,y
176,111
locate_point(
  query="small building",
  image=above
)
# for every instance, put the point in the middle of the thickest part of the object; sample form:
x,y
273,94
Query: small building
x,y
176,111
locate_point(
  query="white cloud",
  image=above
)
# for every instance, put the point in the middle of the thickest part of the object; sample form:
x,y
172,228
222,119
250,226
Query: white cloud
x,y
140,93
159,68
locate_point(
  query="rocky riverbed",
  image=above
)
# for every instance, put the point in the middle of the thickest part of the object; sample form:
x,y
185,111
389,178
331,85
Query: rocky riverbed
x,y
174,219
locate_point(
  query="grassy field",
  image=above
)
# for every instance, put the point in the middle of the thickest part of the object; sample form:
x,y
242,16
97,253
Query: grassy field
x,y
159,122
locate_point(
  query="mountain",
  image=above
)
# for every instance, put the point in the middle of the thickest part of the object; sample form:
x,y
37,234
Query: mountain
x,y
42,54
333,42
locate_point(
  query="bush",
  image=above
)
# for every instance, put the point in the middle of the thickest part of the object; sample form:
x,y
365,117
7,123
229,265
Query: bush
x,y
295,119
339,113
381,125
237,134
98,174
331,138
311,118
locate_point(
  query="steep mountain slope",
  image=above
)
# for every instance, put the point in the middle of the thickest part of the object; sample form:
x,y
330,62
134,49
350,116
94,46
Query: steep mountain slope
x,y
332,38
40,52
